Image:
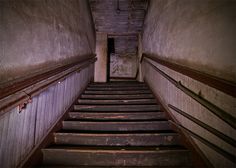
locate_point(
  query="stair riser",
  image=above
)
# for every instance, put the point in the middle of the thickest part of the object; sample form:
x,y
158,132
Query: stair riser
x,y
107,102
117,116
116,126
117,140
116,158
116,107
118,97
117,92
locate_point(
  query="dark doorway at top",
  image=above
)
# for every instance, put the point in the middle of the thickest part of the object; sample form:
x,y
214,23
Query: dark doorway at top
x,y
110,49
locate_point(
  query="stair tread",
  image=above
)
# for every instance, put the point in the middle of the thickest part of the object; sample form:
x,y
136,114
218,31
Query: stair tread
x,y
140,107
116,97
116,139
117,88
117,148
117,92
84,115
116,134
117,112
117,124
114,102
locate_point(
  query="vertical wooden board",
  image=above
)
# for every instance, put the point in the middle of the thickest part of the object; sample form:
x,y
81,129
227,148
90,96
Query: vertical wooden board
x,y
28,128
51,106
61,95
69,90
23,116
57,97
5,145
20,132
1,136
33,119
40,117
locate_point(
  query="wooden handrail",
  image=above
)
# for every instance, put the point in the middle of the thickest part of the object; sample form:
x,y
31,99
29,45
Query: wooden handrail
x,y
14,87
225,86
228,118
221,151
15,93
217,133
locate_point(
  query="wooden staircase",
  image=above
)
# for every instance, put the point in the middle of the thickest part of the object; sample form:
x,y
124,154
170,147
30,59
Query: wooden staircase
x,y
117,124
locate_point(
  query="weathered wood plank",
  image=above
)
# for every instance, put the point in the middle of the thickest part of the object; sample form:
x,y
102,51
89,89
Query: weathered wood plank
x,y
117,116
117,92
116,126
122,157
117,88
132,139
137,96
117,107
122,101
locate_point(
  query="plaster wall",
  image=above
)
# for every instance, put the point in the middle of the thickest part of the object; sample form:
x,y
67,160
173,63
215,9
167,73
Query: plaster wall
x,y
199,35
35,35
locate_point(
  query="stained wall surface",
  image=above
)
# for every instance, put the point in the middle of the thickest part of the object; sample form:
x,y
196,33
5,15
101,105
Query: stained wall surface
x,y
199,35
38,34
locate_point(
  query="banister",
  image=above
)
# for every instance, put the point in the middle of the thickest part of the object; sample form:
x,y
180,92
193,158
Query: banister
x,y
221,151
217,133
228,118
14,94
225,86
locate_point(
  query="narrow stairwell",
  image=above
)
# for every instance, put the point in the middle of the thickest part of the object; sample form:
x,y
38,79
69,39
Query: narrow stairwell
x,y
117,124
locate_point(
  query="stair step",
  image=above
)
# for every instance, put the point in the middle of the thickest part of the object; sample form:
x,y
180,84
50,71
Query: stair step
x,y
116,125
117,84
117,88
115,157
133,139
118,116
117,92
117,107
124,101
117,97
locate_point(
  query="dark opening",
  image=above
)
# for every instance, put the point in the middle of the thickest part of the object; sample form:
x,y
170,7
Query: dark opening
x,y
110,49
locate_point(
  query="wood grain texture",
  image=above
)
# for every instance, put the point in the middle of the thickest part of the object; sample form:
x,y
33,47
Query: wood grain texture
x,y
19,133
